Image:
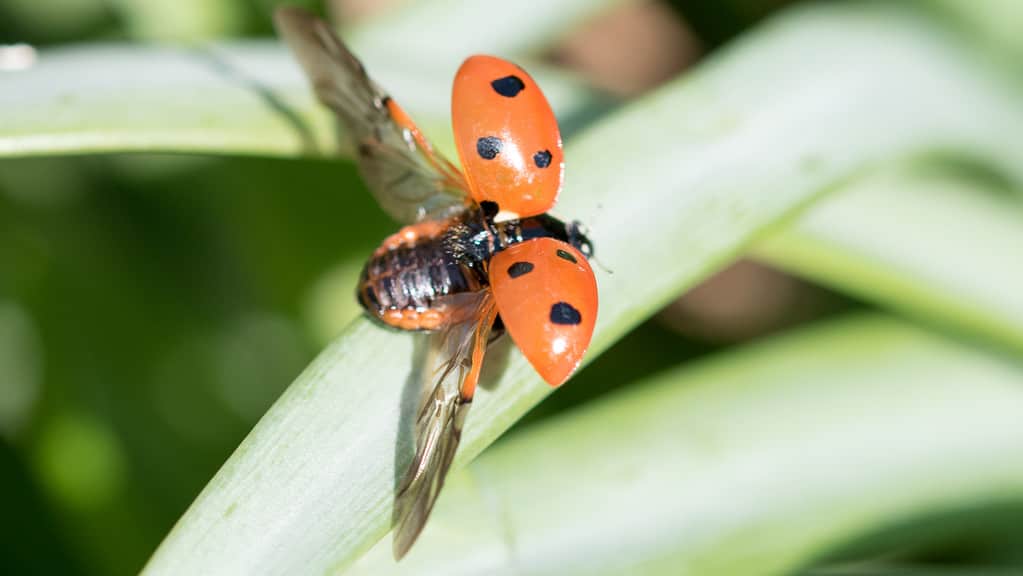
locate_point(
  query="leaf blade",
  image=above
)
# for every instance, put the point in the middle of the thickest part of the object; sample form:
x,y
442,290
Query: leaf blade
x,y
242,98
927,243
718,474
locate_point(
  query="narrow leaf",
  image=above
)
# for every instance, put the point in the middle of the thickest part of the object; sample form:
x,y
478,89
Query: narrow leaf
x,y
941,247
245,98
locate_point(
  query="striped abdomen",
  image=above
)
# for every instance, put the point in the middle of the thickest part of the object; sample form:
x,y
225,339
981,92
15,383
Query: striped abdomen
x,y
405,280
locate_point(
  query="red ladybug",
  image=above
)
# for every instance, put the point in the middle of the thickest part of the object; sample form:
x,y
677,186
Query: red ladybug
x,y
478,254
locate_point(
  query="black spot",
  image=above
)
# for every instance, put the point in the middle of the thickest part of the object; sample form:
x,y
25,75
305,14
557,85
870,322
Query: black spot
x,y
489,208
489,147
567,256
509,86
542,159
519,268
564,313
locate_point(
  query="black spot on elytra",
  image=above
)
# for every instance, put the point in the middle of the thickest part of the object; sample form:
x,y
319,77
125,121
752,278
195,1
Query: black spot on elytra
x,y
509,86
489,147
566,256
542,159
519,268
564,313
489,208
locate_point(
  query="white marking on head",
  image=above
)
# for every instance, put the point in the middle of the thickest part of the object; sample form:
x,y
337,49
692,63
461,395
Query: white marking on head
x,y
505,215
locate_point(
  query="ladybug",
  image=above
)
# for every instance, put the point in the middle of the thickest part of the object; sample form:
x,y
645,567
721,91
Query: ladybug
x,y
478,254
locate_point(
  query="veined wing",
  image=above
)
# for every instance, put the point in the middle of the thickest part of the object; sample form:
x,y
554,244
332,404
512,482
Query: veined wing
x,y
409,179
459,349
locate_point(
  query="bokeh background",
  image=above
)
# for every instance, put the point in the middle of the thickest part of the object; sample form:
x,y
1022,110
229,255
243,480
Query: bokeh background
x,y
152,307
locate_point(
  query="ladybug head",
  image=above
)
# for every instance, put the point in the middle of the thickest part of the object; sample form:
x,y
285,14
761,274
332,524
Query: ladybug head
x,y
547,226
577,237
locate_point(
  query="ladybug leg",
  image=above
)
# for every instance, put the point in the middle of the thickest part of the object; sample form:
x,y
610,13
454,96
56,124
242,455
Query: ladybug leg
x,y
496,331
479,347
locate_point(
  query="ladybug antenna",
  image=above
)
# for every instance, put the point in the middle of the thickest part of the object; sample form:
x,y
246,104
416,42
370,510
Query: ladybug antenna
x,y
601,265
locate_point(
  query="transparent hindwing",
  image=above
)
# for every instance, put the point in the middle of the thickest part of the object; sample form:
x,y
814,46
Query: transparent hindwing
x,y
409,179
454,363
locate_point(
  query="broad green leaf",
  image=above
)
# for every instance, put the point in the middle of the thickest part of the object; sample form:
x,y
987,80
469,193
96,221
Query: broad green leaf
x,y
751,463
673,187
928,243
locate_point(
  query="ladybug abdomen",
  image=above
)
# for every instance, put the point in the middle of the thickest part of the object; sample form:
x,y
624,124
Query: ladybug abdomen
x,y
404,283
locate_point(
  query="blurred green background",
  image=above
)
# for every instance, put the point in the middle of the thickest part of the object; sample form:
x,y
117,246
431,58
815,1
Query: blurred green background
x,y
152,307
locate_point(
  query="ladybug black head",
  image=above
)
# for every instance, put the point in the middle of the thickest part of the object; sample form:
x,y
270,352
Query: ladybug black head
x,y
547,226
577,237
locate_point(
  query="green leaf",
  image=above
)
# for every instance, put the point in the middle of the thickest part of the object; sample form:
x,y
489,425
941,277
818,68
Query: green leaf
x,y
751,463
439,34
250,98
925,242
674,186
223,99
